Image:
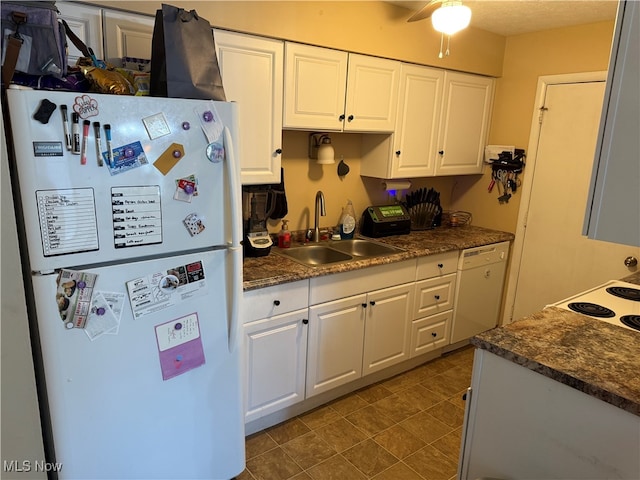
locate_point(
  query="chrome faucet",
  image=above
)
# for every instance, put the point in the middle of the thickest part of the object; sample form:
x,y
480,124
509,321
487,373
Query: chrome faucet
x,y
320,210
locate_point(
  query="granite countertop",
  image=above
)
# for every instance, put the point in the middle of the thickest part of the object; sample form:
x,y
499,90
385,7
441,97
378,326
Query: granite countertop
x,y
275,269
595,357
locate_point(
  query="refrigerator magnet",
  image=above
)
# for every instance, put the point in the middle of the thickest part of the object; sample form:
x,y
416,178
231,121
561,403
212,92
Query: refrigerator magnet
x,y
156,125
185,190
169,158
179,345
194,224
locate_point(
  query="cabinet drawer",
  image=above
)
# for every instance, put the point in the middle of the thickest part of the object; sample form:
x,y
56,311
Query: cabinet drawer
x,y
437,265
276,300
434,295
430,333
340,285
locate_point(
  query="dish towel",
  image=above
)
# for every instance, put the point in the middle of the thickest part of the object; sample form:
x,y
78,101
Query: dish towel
x,y
278,197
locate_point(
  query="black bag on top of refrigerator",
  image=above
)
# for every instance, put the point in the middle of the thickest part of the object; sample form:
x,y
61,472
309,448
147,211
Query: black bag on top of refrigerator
x,y
183,56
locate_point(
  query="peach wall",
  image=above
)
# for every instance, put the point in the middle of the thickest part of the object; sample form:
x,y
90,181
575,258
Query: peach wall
x,y
379,28
528,56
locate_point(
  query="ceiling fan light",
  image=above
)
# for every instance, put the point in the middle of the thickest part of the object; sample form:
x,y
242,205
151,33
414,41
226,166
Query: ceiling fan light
x,y
451,17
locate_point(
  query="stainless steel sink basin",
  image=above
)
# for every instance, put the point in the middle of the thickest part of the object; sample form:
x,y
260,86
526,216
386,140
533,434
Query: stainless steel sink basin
x,y
363,248
315,255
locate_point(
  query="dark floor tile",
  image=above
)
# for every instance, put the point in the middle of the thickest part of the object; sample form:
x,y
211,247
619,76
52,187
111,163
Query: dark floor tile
x,y
399,471
341,434
273,465
348,404
397,407
373,393
319,417
399,441
258,444
308,450
450,444
426,428
370,420
335,468
370,458
447,413
432,464
286,431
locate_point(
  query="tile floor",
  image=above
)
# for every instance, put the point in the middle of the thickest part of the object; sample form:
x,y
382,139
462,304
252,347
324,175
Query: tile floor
x,y
405,428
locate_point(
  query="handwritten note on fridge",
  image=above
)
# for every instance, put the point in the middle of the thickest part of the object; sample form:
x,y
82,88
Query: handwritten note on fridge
x,y
137,216
67,221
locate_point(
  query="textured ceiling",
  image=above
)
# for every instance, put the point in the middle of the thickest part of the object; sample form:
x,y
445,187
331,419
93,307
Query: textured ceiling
x,y
511,17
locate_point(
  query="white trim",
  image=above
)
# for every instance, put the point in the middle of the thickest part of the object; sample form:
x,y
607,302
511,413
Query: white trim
x,y
527,182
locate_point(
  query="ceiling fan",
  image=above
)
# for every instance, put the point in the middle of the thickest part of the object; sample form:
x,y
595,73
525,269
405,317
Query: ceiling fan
x,y
426,11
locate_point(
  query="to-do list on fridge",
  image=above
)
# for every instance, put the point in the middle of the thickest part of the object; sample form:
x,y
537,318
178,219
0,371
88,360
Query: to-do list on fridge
x,y
67,221
137,215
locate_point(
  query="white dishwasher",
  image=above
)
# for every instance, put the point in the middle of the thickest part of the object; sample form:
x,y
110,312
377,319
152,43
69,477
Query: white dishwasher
x,y
481,272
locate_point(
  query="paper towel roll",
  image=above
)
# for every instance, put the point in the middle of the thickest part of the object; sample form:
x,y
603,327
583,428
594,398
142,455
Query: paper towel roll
x,y
395,185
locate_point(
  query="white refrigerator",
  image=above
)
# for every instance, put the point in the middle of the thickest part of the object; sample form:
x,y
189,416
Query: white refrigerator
x,y
130,221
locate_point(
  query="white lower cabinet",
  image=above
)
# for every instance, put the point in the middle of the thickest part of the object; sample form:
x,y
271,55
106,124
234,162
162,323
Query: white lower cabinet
x,y
387,328
356,336
275,355
359,323
336,331
275,347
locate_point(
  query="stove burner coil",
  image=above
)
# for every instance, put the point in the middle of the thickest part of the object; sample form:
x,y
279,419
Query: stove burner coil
x,y
631,321
592,309
627,293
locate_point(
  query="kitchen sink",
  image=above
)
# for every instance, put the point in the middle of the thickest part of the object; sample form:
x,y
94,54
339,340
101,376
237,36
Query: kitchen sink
x,y
315,255
363,248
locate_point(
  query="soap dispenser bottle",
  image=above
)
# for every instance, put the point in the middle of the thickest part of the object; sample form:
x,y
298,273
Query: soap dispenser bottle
x,y
284,236
348,222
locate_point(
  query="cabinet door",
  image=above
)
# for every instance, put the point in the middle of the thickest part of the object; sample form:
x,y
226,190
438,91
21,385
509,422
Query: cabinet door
x,y
251,69
429,333
372,94
86,23
127,35
434,295
416,134
388,328
466,109
613,206
336,332
275,362
315,87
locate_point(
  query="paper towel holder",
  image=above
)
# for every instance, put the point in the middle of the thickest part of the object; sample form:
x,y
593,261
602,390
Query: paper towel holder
x,y
395,187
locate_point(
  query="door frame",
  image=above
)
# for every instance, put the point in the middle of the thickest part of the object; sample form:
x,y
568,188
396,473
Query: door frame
x,y
527,183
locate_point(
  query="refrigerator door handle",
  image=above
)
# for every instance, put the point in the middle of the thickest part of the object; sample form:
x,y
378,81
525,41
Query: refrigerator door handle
x,y
233,174
235,305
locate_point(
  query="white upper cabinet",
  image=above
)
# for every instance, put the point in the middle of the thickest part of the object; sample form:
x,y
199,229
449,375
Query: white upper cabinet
x,y
332,90
126,35
372,94
466,111
252,75
315,86
86,23
613,206
412,150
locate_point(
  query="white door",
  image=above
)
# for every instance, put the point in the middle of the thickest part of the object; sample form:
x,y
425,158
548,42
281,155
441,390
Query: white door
x,y
556,260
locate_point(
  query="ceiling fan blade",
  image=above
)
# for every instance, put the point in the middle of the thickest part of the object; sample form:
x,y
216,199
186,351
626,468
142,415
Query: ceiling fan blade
x,y
426,11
